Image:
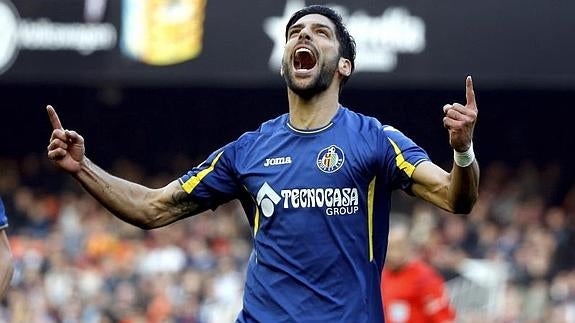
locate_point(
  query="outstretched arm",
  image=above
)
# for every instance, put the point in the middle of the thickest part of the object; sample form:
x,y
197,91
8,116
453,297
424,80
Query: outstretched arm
x,y
133,203
456,191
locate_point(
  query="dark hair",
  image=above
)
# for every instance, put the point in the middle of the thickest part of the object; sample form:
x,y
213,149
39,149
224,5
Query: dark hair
x,y
346,42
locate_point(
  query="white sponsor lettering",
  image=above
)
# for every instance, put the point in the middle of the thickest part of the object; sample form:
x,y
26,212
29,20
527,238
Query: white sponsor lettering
x,y
379,39
277,161
338,201
344,210
42,34
84,38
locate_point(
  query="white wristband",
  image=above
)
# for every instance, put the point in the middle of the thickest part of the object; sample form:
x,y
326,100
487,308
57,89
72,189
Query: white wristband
x,y
465,158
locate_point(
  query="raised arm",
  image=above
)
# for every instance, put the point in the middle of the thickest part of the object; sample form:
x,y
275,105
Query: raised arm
x,y
456,191
131,202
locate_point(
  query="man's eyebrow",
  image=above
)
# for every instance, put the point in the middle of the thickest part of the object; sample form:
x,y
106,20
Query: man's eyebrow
x,y
314,25
295,26
320,25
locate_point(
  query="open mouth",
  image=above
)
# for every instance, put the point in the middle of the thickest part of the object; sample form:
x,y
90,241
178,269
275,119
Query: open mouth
x,y
304,59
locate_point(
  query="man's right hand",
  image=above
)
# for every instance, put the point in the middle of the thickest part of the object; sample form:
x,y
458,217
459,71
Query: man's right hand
x,y
66,148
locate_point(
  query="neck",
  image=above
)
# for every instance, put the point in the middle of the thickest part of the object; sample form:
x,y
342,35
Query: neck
x,y
315,112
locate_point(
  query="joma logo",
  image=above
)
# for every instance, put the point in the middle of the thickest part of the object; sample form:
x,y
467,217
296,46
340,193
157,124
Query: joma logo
x,y
277,161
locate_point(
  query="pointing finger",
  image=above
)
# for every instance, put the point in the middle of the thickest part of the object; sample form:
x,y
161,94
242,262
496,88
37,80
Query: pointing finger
x,y
469,93
54,120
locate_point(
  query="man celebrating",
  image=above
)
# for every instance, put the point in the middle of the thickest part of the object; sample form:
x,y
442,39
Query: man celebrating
x,y
315,184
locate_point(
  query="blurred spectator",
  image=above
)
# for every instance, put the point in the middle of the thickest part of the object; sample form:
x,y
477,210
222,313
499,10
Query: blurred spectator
x,y
511,260
411,289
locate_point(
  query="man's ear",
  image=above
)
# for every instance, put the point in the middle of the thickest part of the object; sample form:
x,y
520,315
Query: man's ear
x,y
344,66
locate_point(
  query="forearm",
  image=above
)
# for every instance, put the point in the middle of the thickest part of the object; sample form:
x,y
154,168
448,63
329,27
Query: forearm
x,y
463,187
131,202
455,192
6,267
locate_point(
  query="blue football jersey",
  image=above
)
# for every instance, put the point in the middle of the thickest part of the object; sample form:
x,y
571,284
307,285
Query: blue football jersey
x,y
318,202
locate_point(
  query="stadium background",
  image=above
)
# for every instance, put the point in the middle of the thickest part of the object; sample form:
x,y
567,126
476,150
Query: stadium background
x,y
511,260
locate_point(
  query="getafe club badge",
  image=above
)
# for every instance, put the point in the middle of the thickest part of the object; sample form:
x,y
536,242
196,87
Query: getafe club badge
x,y
330,159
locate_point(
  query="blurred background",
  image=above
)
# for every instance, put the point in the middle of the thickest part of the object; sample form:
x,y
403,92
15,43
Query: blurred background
x,y
156,85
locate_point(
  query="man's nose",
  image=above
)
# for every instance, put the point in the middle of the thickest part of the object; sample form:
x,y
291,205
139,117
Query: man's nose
x,y
304,34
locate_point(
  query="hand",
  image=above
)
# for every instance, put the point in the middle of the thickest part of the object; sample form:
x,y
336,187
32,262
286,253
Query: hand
x,y
460,120
66,148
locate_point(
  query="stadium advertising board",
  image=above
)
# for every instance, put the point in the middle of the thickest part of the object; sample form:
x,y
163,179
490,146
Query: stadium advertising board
x,y
201,42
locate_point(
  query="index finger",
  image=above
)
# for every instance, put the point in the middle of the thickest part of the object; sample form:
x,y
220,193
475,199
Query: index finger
x,y
54,120
469,93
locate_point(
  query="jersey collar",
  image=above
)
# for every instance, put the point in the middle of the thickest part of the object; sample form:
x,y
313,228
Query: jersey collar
x,y
316,130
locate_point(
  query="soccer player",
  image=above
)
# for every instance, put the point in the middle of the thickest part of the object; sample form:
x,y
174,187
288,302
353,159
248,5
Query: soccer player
x,y
6,267
412,290
315,184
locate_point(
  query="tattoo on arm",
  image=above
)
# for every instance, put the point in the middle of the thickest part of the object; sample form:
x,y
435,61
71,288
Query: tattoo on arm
x,y
182,205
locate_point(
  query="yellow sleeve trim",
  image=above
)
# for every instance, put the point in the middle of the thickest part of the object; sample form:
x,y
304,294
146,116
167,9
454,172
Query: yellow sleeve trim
x,y
256,221
400,161
191,183
370,198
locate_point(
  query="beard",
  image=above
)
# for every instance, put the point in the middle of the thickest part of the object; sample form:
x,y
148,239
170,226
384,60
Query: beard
x,y
317,85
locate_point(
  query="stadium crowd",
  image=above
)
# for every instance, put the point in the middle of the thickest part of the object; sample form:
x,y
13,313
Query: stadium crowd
x,y
511,260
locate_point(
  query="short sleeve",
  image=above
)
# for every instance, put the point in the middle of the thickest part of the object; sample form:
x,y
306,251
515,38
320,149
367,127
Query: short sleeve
x,y
214,181
400,157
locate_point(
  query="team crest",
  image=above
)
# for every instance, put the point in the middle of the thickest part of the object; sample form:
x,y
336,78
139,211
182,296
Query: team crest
x,y
330,159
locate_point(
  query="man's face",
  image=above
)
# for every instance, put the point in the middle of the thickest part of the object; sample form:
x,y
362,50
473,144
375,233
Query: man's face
x,y
311,55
